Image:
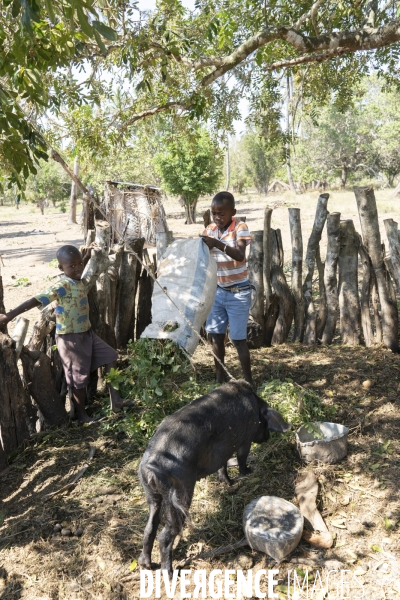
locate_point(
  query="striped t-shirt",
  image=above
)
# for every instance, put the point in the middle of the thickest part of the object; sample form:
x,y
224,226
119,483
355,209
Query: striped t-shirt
x,y
230,272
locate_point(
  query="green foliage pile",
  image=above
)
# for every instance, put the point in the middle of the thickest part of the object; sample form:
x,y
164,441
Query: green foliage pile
x,y
160,378
296,404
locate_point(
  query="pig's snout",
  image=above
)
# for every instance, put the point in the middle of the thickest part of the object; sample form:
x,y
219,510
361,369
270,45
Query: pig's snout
x,y
275,421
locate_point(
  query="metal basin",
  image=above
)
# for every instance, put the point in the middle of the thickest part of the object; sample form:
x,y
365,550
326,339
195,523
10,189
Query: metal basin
x,y
330,448
272,525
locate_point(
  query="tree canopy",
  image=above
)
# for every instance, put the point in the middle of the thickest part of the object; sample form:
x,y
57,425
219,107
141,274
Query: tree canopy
x,y
56,56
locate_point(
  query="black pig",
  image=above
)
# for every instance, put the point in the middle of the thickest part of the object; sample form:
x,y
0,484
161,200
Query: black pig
x,y
194,442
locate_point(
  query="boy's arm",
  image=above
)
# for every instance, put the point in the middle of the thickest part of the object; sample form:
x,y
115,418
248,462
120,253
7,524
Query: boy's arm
x,y
31,303
238,254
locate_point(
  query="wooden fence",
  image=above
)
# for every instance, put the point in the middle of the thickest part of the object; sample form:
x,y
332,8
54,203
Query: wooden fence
x,y
323,299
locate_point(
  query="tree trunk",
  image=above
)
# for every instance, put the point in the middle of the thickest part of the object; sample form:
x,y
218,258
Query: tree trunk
x,y
310,334
343,178
16,411
281,288
137,246
271,317
228,165
255,268
2,306
126,298
365,293
163,240
297,271
144,303
190,211
322,307
40,384
372,240
288,153
89,215
392,232
349,304
267,269
330,278
74,194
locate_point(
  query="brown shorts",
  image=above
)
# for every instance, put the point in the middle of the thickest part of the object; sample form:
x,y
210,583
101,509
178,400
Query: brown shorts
x,y
82,353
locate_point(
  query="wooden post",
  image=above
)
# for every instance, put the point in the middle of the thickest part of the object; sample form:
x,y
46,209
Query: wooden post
x,y
392,232
322,307
349,304
297,271
15,405
144,303
126,297
255,269
19,334
2,307
281,289
330,278
375,305
37,374
365,292
102,237
267,269
3,458
207,218
163,240
310,333
372,240
74,193
42,327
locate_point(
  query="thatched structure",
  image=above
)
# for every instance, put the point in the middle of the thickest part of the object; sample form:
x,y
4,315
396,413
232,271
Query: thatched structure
x,y
135,209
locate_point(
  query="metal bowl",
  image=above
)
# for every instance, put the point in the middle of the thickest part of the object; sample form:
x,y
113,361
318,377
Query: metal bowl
x,y
330,448
272,525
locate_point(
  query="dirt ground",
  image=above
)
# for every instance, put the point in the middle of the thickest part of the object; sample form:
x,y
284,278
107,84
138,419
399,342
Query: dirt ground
x,y
358,497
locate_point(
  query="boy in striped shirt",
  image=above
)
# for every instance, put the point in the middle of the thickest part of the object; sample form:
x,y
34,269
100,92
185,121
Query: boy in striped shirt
x,y
227,239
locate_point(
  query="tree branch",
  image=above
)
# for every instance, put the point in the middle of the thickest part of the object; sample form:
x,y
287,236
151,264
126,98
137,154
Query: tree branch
x,y
350,41
150,112
307,58
310,14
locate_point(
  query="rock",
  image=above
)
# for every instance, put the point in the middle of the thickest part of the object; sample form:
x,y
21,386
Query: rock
x,y
57,528
66,532
367,384
78,532
243,562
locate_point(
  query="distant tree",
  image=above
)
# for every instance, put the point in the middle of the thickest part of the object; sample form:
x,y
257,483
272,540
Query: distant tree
x,y
262,162
239,160
50,183
190,167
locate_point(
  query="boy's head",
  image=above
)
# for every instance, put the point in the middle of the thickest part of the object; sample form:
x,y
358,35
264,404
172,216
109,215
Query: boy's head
x,y
223,209
70,261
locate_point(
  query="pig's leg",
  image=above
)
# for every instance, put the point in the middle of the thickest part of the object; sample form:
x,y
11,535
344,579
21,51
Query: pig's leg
x,y
223,476
174,520
242,455
150,531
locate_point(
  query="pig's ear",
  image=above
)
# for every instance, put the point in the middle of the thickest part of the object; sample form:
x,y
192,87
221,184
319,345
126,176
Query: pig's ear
x,y
275,420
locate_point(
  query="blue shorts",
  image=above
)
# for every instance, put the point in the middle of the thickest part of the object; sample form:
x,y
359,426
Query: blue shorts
x,y
230,308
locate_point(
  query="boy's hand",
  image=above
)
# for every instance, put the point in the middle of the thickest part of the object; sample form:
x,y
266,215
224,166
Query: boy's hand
x,y
88,252
211,242
3,321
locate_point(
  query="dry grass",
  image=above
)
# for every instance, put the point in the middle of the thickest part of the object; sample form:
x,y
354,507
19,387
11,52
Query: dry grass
x,y
108,502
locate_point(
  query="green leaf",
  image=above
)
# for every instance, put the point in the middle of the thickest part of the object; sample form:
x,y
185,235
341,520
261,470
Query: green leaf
x,y
50,11
16,7
84,22
100,43
105,31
